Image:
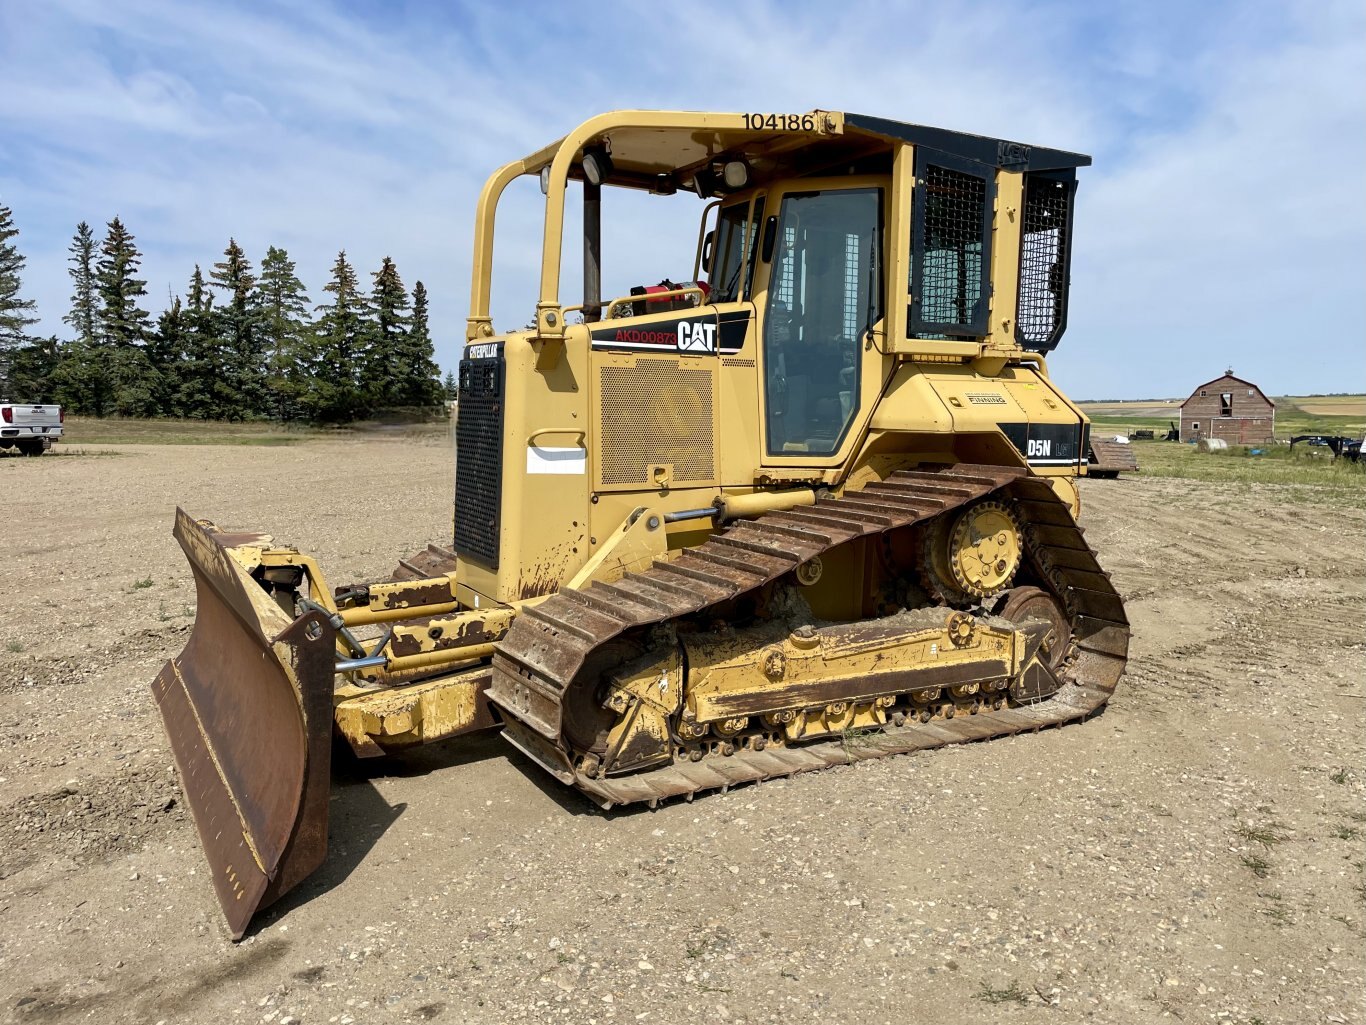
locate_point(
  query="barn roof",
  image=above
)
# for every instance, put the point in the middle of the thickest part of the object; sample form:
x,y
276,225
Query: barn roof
x,y
1228,377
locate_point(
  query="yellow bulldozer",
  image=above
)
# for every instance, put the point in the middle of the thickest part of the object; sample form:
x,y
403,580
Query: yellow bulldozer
x,y
708,530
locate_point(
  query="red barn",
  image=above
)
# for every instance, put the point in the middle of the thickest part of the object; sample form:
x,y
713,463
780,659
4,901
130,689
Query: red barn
x,y
1230,409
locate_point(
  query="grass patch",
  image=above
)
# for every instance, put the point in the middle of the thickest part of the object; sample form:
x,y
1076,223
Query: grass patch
x,y
1279,916
117,431
14,646
1308,477
853,737
141,585
1267,835
1312,468
1012,994
1339,776
1260,867
1346,833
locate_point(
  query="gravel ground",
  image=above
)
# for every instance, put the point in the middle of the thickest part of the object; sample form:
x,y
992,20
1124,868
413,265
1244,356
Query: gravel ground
x,y
1195,853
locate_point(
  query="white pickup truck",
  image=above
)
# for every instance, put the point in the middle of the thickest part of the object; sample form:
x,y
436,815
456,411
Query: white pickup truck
x,y
30,428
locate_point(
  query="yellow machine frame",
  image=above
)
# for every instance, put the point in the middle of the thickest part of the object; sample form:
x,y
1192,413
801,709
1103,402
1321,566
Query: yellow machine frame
x,y
913,405
593,448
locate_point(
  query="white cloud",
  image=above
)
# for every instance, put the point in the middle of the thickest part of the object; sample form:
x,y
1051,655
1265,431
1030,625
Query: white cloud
x,y
1221,213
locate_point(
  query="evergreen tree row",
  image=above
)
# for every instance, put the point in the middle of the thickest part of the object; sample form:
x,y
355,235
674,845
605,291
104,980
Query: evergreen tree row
x,y
242,344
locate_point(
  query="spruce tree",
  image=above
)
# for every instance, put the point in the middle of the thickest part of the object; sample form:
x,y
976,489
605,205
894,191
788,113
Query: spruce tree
x,y
282,306
122,324
450,387
81,378
198,395
339,342
421,382
385,355
120,321
16,312
166,351
31,369
244,369
83,308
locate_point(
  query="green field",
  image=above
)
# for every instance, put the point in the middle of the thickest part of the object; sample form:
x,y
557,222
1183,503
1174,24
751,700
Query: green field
x,y
86,430
1308,474
1320,414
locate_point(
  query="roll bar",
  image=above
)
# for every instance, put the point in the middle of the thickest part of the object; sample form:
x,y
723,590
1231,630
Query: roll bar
x,y
561,157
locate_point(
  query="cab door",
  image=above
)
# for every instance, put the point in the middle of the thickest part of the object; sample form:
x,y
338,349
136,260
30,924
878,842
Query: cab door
x,y
731,277
819,289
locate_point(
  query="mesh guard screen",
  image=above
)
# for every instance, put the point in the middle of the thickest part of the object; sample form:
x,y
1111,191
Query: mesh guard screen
x,y
657,412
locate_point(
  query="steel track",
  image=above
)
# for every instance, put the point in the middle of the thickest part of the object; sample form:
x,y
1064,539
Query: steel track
x,y
535,665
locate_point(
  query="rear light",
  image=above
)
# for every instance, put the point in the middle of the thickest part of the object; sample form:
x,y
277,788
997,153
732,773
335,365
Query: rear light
x,y
61,416
8,414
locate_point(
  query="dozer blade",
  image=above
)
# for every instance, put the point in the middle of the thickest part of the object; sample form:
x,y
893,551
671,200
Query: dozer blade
x,y
248,708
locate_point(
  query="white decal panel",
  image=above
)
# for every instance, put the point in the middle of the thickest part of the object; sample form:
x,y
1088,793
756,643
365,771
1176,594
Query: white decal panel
x,y
547,459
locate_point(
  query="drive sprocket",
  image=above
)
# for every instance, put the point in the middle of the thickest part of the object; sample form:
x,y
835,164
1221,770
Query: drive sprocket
x,y
975,554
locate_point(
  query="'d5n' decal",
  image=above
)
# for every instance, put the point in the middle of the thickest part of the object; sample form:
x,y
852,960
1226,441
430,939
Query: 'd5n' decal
x,y
1047,444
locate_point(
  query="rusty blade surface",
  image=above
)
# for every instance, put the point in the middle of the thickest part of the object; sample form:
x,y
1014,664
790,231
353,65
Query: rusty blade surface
x,y
247,708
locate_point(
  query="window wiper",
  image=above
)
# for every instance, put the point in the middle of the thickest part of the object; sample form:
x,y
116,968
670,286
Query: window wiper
x,y
874,293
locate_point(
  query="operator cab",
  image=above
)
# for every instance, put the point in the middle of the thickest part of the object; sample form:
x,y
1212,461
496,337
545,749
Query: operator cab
x,y
793,273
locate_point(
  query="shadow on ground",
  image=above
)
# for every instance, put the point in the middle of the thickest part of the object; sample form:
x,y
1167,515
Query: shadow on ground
x,y
359,815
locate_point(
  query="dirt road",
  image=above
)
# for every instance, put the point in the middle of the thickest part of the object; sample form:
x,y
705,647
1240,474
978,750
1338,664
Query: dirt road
x,y
1195,852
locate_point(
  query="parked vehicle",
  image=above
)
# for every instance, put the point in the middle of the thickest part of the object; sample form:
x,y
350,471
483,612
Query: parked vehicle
x,y
702,543
30,428
1340,446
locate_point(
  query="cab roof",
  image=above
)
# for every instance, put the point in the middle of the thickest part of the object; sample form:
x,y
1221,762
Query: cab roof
x,y
661,150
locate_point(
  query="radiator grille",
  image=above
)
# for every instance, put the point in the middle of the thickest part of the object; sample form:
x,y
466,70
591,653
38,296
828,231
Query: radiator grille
x,y
479,458
1044,248
656,412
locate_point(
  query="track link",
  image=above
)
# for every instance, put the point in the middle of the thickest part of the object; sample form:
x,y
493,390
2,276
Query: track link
x,y
547,647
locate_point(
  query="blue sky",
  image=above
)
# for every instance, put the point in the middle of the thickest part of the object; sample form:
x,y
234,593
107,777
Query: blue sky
x,y
1223,222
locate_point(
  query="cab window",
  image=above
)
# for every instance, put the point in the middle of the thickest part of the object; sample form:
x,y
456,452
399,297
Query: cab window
x,y
731,249
755,220
824,294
